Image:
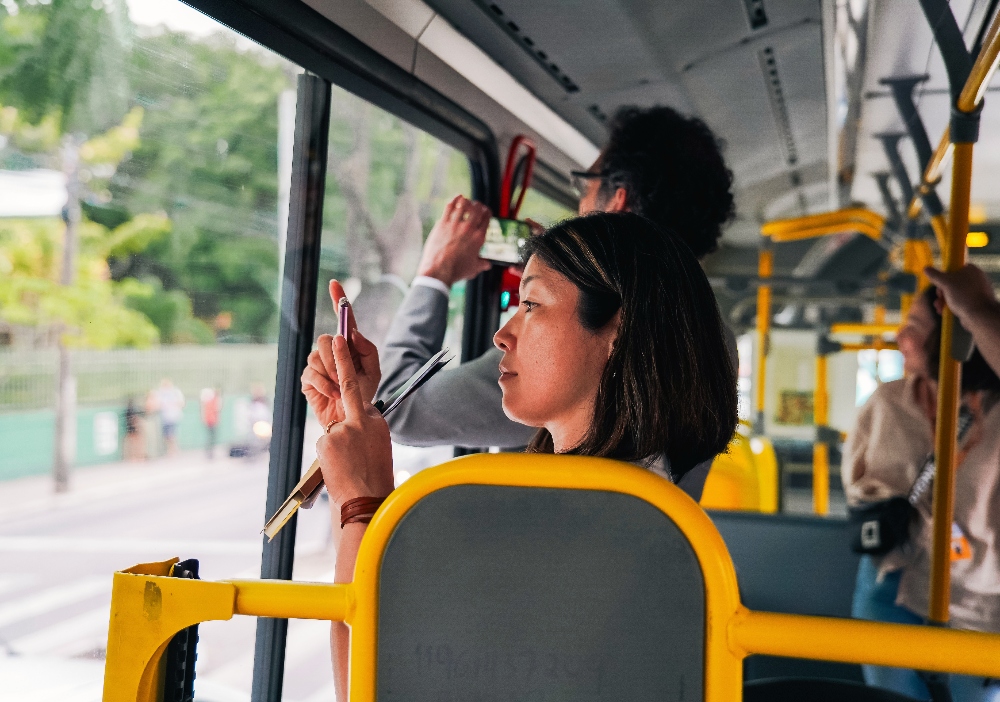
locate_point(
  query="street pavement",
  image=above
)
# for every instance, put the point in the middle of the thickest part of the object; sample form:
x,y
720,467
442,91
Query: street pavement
x,y
59,552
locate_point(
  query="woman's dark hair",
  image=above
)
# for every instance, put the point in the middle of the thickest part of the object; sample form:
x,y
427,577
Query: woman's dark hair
x,y
976,372
672,169
669,387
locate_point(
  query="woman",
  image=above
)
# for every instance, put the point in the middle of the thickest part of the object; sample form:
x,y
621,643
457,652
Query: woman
x,y
616,350
885,452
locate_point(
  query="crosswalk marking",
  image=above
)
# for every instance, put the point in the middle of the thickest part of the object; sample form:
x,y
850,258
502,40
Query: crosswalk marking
x,y
70,637
53,598
72,544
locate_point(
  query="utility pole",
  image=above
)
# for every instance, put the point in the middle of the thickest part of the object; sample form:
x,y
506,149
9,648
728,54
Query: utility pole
x,y
65,430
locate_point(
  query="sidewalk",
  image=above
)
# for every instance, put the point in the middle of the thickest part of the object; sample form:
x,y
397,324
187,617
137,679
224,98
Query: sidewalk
x,y
36,493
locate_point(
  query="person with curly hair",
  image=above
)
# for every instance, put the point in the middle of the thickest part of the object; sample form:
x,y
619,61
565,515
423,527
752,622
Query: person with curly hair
x,y
657,163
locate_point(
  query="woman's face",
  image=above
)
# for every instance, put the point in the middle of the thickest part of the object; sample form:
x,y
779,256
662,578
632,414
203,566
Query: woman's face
x,y
913,337
552,365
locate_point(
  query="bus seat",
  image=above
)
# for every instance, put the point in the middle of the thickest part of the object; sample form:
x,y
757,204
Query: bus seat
x,y
745,478
732,483
529,576
796,565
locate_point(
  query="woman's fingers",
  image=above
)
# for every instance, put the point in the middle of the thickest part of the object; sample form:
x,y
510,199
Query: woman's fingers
x,y
324,346
350,391
367,355
319,381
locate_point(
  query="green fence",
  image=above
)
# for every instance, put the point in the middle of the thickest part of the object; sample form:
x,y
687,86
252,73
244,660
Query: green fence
x,y
106,380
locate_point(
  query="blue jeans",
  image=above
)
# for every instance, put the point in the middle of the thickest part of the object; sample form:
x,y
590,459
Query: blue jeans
x,y
876,601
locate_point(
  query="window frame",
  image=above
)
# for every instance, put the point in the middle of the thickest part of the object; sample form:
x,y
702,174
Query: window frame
x,y
307,38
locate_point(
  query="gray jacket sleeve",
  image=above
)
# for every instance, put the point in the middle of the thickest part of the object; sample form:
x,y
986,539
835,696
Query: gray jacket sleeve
x,y
459,406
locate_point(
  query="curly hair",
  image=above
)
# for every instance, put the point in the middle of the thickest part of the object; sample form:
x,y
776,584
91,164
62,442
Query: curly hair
x,y
673,173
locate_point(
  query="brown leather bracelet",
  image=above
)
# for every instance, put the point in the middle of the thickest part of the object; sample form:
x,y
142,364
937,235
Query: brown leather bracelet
x,y
359,510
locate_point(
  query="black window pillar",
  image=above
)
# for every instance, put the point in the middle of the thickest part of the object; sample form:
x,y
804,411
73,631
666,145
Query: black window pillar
x,y
295,338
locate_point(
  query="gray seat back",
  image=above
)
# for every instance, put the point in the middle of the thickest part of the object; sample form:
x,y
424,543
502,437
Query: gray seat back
x,y
514,593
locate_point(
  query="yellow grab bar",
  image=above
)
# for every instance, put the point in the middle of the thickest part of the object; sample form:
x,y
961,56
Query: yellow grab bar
x,y
821,452
865,329
858,641
949,390
765,269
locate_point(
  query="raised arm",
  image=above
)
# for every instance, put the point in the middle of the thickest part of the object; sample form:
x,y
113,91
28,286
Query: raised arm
x,y
459,406
969,294
356,458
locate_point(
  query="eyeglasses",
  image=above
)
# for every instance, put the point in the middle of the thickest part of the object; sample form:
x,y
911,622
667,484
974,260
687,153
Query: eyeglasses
x,y
580,180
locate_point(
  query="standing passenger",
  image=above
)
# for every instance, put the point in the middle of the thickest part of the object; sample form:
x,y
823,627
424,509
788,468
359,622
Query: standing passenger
x,y
657,163
890,444
211,407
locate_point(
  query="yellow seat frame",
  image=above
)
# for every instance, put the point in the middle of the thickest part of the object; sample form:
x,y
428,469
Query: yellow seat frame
x,y
148,607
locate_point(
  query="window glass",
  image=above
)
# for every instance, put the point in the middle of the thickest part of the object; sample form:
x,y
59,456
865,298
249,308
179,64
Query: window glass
x,y
543,209
874,368
387,184
148,136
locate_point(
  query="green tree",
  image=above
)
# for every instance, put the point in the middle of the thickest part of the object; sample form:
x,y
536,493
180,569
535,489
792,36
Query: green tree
x,y
208,159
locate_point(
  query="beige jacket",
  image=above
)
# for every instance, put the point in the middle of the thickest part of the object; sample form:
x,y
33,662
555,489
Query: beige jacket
x,y
882,456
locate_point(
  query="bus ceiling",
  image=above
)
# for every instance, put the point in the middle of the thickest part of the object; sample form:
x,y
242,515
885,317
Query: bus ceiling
x,y
795,90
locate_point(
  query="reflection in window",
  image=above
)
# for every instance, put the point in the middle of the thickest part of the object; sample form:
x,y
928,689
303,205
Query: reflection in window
x,y
874,368
543,209
147,136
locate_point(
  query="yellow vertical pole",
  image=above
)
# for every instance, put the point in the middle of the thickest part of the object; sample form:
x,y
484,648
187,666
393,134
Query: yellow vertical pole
x,y
821,451
765,269
949,377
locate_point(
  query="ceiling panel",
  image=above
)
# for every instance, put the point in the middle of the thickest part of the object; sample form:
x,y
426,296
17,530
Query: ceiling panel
x,y
700,57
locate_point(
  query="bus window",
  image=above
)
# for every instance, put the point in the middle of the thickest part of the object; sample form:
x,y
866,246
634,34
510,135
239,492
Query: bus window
x,y
543,209
874,368
164,326
387,184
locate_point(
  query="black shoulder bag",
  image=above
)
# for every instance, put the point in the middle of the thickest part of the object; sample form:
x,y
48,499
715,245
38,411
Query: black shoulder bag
x,y
878,527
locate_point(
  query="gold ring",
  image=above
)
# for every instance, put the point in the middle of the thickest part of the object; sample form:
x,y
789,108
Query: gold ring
x,y
465,216
329,427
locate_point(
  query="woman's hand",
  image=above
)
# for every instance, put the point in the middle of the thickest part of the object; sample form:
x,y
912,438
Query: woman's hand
x,y
320,382
356,454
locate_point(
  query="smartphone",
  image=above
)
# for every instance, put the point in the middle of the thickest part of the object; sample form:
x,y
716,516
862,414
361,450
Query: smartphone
x,y
505,240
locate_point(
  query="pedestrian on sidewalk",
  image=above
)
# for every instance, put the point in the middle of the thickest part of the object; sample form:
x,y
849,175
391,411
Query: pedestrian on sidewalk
x,y
134,448
169,401
211,408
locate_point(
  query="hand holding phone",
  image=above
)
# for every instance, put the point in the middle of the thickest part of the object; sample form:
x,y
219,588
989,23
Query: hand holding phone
x,y
320,382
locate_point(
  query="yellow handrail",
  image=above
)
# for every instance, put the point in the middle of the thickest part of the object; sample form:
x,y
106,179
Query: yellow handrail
x,y
968,101
853,219
765,269
865,329
857,641
953,254
949,381
821,452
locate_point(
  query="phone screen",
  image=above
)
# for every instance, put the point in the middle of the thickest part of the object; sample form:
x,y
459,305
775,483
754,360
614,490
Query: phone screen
x,y
505,240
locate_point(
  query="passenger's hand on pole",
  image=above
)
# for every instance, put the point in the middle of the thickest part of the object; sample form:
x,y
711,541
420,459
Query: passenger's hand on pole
x,y
355,455
320,382
967,292
451,252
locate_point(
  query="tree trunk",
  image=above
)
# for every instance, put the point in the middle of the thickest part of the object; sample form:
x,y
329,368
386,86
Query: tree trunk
x,y
65,430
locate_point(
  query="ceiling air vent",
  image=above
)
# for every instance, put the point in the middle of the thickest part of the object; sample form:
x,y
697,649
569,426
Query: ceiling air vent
x,y
527,44
755,13
779,107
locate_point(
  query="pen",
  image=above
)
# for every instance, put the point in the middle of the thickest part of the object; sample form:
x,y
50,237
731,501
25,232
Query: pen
x,y
343,307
